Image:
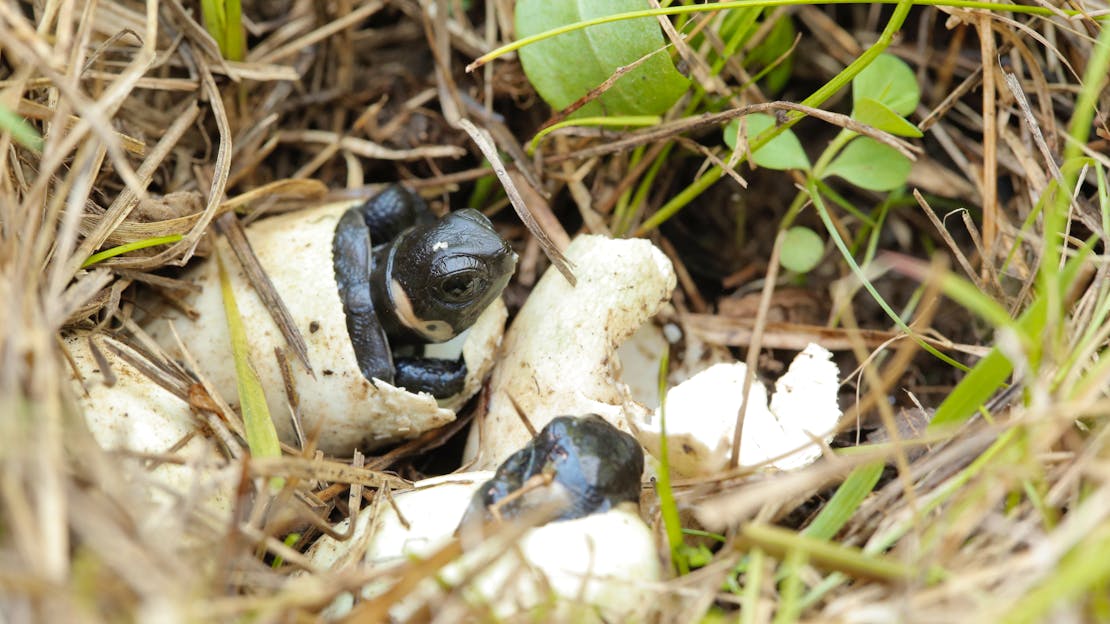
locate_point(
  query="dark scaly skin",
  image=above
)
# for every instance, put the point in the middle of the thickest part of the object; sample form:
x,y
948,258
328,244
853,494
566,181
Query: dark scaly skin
x,y
351,261
407,279
421,372
392,211
594,467
448,270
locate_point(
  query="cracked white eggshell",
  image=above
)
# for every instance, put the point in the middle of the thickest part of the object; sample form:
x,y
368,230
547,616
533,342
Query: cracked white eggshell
x,y
136,415
603,564
560,353
348,410
701,417
640,356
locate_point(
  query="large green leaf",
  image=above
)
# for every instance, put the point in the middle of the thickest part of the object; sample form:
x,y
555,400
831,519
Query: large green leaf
x,y
890,81
871,165
782,152
567,67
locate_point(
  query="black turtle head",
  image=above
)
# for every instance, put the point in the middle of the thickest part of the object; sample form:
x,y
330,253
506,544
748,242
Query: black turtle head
x,y
592,467
440,276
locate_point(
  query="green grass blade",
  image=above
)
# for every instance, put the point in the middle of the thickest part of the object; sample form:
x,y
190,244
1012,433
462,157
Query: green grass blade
x,y
753,587
23,132
840,508
970,297
1057,210
881,542
623,121
988,375
236,42
976,301
1085,569
129,247
290,540
845,502
261,436
224,21
790,587
822,211
667,506
830,555
214,20
991,372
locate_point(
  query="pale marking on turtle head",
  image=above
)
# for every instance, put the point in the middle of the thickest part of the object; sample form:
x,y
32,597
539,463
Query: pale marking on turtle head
x,y
433,331
440,245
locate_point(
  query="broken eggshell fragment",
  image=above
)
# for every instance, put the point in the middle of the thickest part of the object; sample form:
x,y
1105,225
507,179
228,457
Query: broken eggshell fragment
x,y
640,356
785,434
126,411
337,403
597,560
560,353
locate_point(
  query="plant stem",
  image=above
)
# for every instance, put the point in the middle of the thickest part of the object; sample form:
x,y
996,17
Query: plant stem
x,y
841,80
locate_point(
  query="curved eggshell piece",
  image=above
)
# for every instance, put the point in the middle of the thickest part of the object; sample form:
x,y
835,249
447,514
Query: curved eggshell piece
x,y
560,353
135,415
780,433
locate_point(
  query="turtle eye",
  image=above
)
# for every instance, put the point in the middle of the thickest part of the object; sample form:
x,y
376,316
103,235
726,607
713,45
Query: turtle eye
x,y
462,286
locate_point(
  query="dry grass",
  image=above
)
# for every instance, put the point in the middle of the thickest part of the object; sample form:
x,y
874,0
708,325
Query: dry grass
x,y
147,133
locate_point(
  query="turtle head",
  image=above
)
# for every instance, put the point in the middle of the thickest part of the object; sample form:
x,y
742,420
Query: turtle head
x,y
576,465
440,276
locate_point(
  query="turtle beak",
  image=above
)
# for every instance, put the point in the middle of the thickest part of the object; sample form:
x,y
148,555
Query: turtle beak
x,y
504,266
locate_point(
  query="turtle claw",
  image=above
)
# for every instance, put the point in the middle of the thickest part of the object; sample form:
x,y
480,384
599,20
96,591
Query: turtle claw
x,y
440,378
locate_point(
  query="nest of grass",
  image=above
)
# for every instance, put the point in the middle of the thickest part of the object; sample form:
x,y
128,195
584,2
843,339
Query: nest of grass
x,y
151,140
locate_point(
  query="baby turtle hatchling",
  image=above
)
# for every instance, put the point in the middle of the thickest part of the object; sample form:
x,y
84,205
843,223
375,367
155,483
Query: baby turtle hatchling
x,y
406,278
368,286
579,465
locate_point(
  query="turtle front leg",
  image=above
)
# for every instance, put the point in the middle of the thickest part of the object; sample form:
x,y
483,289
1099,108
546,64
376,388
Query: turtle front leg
x,y
393,211
351,262
440,378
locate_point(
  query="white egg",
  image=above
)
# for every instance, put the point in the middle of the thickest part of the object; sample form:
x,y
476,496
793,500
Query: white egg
x,y
129,413
600,567
337,402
